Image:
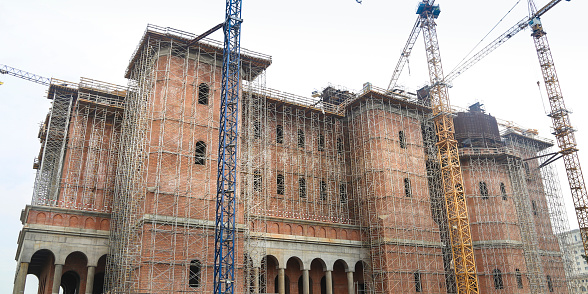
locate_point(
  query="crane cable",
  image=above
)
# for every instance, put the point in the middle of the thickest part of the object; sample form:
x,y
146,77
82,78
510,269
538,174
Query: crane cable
x,y
467,55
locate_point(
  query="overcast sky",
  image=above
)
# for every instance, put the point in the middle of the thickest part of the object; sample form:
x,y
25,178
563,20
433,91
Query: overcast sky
x,y
313,43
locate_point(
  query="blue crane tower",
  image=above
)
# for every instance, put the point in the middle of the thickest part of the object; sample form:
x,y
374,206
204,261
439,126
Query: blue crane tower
x,y
225,227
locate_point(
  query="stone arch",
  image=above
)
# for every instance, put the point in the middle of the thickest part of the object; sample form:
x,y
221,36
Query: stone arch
x,y
322,233
70,282
358,278
311,232
73,221
57,220
339,276
293,272
99,275
332,233
90,223
269,272
40,261
299,230
104,225
41,218
287,229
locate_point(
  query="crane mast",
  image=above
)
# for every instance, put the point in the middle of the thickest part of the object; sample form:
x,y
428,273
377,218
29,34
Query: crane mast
x,y
563,130
453,188
225,226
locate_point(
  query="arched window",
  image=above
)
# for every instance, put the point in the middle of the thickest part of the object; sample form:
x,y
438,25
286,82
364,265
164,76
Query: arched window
x,y
503,191
483,190
549,283
339,145
498,284
583,289
302,187
203,93
519,278
323,190
402,139
534,207
418,286
279,134
280,184
195,273
343,192
200,153
257,181
407,188
321,142
301,138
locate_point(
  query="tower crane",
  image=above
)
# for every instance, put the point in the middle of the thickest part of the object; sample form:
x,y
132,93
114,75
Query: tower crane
x,y
452,178
563,130
225,226
19,73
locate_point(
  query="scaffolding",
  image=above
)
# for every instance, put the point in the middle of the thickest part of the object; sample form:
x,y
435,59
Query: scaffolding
x,y
352,166
397,185
163,212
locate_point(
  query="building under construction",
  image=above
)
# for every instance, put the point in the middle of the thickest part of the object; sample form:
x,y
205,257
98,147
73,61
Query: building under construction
x,y
339,193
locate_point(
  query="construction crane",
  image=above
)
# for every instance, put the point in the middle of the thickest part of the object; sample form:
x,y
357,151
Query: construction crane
x,y
225,227
7,70
453,187
563,130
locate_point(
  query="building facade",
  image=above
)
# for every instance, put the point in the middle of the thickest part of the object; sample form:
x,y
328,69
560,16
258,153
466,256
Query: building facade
x,y
336,195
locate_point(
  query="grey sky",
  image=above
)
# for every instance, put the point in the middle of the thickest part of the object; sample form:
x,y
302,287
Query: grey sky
x,y
313,43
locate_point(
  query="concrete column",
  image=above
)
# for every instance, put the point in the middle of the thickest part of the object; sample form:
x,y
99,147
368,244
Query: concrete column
x,y
21,278
255,280
90,279
329,282
281,281
57,278
350,289
305,282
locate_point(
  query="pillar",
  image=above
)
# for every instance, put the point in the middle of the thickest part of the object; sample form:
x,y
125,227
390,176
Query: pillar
x,y
281,281
350,289
255,280
305,282
90,279
21,278
329,282
57,278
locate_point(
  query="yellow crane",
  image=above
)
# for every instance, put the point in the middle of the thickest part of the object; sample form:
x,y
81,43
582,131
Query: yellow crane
x,y
452,180
563,130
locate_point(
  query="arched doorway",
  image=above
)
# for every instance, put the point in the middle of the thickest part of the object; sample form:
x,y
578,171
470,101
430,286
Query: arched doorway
x,y
70,283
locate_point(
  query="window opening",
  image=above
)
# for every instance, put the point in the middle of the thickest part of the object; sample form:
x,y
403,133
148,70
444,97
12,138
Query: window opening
x,y
402,139
200,153
280,184
321,142
503,191
302,187
203,93
407,188
279,134
257,181
323,191
343,192
418,286
498,284
519,278
483,190
301,138
195,273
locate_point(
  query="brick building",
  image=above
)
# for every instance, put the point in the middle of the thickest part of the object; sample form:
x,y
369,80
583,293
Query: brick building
x,y
336,195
